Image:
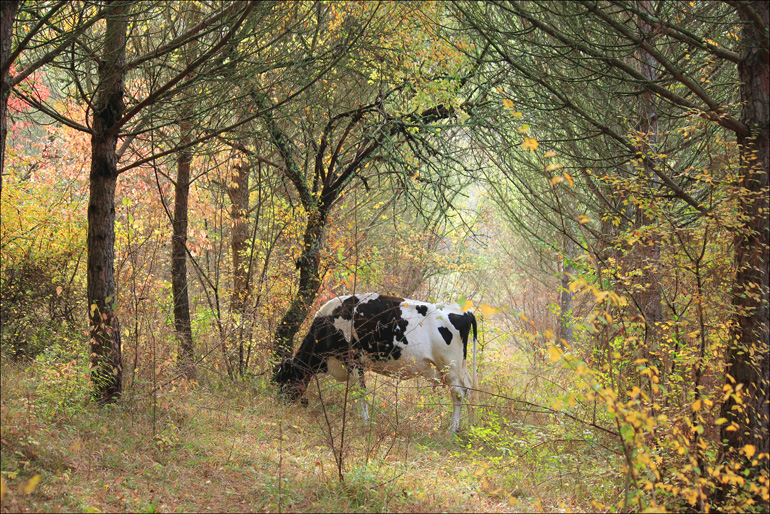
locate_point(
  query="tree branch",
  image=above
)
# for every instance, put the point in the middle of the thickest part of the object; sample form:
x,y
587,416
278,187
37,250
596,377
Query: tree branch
x,y
729,122
723,120
34,30
153,97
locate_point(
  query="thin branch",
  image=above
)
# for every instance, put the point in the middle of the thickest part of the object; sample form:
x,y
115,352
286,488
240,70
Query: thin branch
x,y
185,38
722,119
153,97
34,30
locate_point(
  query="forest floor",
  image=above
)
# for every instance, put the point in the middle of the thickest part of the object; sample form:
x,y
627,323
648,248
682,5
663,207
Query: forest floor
x,y
228,447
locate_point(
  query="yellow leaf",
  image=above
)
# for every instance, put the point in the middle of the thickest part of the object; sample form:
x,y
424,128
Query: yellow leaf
x,y
569,179
554,353
508,103
556,180
696,406
31,484
749,450
552,167
523,129
466,305
583,219
530,144
487,311
2,489
518,114
550,153
720,421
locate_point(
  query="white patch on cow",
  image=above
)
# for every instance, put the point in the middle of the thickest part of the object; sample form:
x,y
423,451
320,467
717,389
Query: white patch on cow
x,y
327,308
345,326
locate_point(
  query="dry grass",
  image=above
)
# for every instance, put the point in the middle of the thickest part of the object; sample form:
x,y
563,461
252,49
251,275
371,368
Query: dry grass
x,y
223,447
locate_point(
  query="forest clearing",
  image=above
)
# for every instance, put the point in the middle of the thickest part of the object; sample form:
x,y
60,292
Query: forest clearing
x,y
530,239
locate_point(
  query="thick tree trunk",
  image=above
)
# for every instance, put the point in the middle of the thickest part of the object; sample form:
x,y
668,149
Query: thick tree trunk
x,y
309,282
106,372
7,16
182,323
747,355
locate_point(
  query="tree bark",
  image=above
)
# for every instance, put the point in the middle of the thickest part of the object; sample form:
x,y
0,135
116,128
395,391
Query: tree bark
x,y
566,335
309,283
7,17
182,323
648,251
106,372
239,213
747,359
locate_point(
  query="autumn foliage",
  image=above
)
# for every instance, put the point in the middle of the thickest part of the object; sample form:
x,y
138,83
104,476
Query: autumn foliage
x,y
185,184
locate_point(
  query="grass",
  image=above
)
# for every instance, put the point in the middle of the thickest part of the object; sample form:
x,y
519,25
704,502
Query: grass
x,y
228,447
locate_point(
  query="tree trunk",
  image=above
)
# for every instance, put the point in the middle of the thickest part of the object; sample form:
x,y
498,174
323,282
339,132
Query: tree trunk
x,y
182,323
747,355
7,17
648,250
106,372
241,294
566,336
179,285
309,282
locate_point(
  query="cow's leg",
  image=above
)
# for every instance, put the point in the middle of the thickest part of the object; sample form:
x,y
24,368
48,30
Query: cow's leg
x,y
361,397
459,384
458,393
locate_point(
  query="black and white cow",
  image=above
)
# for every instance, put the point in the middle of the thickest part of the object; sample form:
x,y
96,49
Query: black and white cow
x,y
388,335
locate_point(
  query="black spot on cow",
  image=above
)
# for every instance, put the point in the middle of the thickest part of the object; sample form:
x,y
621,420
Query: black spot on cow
x,y
345,309
463,323
422,309
378,323
446,334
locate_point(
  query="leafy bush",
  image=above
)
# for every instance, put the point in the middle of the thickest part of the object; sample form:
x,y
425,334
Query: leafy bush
x,y
63,382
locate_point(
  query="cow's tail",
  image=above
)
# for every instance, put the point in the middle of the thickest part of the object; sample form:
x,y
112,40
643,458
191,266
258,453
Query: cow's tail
x,y
473,376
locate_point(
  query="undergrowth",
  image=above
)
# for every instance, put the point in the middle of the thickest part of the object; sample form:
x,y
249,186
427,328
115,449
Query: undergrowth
x,y
219,446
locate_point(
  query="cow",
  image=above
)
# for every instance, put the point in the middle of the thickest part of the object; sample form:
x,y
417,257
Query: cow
x,y
389,335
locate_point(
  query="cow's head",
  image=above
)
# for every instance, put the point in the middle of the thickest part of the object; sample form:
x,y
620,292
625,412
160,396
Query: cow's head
x,y
289,378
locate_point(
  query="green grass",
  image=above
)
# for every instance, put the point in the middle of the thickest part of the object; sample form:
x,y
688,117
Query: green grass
x,y
227,447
